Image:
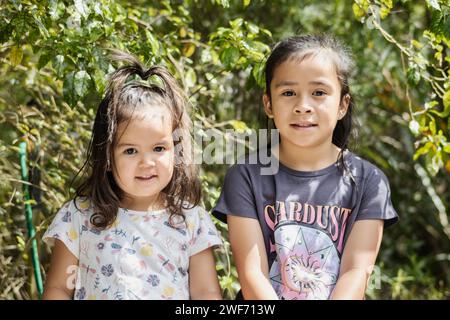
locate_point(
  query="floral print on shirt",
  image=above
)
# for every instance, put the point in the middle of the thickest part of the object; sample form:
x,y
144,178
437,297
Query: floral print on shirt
x,y
141,256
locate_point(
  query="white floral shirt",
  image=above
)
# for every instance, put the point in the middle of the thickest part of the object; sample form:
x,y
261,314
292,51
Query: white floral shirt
x,y
141,256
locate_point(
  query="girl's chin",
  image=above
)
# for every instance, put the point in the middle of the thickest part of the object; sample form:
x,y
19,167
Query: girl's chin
x,y
298,144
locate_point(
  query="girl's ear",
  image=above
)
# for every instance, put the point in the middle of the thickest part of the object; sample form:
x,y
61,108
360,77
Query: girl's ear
x,y
267,106
343,107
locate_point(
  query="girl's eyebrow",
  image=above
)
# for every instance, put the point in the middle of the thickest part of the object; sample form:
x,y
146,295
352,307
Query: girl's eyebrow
x,y
126,144
285,83
320,83
163,142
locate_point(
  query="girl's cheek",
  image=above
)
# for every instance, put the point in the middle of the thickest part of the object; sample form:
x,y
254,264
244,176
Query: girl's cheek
x,y
167,157
164,158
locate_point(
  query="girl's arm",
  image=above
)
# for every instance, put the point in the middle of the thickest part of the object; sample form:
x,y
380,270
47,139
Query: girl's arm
x,y
203,283
60,282
358,259
247,245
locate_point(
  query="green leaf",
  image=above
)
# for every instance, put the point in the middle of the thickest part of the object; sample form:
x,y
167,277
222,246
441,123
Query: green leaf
x,y
44,58
229,56
209,76
82,81
237,23
69,89
239,126
433,162
189,49
5,32
21,24
423,150
191,78
434,4
414,127
59,65
413,75
437,22
95,31
16,55
258,74
252,28
154,43
20,243
205,55
183,32
446,31
99,81
99,60
55,9
358,11
42,29
82,8
224,3
387,3
446,102
432,126
246,3
447,148
416,44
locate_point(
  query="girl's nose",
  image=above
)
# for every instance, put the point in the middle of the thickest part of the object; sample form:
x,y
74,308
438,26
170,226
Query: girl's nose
x,y
147,160
302,107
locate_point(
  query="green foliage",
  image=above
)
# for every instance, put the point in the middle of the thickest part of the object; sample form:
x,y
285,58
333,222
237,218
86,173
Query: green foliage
x,y
54,66
433,43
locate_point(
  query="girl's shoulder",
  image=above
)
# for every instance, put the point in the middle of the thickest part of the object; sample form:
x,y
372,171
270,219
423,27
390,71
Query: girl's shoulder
x,y
198,216
79,206
361,168
191,212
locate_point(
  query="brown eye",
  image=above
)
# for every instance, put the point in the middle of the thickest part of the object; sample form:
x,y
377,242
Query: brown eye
x,y
159,149
288,93
130,151
319,93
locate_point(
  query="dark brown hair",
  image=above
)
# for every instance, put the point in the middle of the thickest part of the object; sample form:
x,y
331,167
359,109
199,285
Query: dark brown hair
x,y
123,100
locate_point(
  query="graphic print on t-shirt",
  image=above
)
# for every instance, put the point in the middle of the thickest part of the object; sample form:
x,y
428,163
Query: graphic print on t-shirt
x,y
308,241
307,264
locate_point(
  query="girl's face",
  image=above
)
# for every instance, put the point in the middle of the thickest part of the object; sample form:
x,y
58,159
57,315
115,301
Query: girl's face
x,y
305,102
144,157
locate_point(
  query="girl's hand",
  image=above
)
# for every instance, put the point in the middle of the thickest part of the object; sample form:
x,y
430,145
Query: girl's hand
x,y
61,278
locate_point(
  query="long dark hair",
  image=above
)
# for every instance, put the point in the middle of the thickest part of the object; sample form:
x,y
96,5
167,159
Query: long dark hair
x,y
304,46
121,101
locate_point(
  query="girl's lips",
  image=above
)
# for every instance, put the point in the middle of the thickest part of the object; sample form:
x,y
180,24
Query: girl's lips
x,y
145,178
303,126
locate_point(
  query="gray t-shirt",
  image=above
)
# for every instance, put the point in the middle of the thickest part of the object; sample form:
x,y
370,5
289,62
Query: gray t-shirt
x,y
306,218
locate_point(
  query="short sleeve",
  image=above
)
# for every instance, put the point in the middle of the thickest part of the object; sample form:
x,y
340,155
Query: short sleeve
x,y
237,196
204,232
376,200
65,227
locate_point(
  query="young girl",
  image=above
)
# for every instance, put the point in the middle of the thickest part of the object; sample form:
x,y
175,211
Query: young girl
x,y
313,228
134,229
